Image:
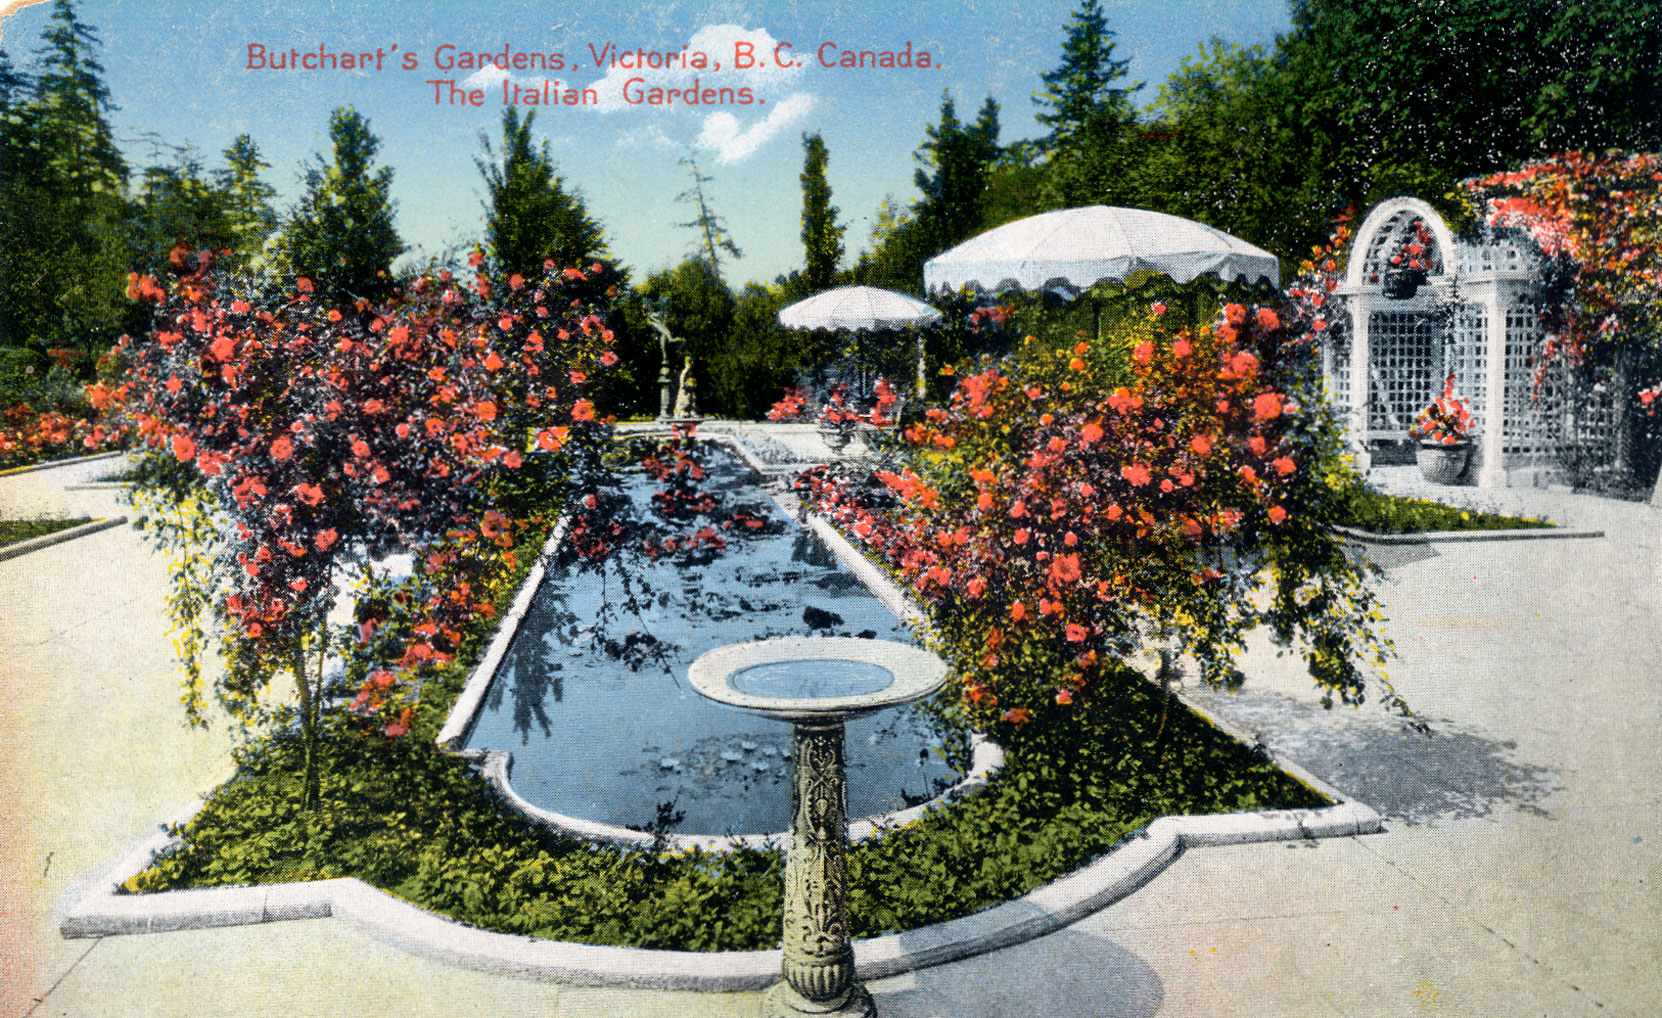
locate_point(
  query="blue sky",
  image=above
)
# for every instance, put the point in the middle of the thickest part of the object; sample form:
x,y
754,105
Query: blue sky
x,y
178,71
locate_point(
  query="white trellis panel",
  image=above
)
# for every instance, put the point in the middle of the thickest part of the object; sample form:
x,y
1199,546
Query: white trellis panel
x,y
1523,423
1471,359
1404,354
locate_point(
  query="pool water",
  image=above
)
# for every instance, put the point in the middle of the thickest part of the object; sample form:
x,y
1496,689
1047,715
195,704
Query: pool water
x,y
816,679
592,697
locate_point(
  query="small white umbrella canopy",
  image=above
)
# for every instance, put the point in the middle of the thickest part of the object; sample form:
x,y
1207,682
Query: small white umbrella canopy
x,y
861,309
1074,249
857,309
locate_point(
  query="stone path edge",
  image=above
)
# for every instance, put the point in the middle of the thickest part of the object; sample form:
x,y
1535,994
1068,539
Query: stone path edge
x,y
12,551
49,464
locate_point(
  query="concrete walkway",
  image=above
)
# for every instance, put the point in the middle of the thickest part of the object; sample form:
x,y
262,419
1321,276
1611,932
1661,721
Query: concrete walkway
x,y
1520,873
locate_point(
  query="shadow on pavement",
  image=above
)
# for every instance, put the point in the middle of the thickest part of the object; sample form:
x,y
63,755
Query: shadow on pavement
x,y
1067,973
1402,773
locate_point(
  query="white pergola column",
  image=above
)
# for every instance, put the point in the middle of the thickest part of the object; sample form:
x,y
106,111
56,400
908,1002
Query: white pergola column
x,y
1361,307
1493,472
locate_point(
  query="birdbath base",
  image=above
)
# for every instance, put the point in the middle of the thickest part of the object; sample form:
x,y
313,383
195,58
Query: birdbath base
x,y
784,1002
817,684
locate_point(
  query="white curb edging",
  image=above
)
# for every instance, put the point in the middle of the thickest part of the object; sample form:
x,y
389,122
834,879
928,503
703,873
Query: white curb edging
x,y
101,911
381,915
11,551
50,464
462,712
1465,536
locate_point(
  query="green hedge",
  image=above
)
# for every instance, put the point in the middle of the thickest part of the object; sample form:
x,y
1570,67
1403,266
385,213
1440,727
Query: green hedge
x,y
1391,514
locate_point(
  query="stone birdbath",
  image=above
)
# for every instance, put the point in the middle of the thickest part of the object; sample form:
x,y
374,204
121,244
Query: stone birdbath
x,y
817,683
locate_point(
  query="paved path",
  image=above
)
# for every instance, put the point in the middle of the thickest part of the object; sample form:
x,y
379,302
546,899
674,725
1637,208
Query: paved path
x,y
1520,873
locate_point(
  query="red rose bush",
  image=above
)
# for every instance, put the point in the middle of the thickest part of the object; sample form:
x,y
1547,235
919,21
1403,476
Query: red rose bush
x,y
1068,506
294,444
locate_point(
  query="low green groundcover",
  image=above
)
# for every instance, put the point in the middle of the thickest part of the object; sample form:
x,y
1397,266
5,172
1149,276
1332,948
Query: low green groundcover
x,y
1390,514
416,821
13,531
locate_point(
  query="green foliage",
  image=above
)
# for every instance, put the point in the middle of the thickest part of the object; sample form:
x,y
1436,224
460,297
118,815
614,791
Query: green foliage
x,y
955,164
13,531
822,238
529,214
1073,786
246,200
1392,514
61,183
1088,113
698,308
341,234
176,206
1364,99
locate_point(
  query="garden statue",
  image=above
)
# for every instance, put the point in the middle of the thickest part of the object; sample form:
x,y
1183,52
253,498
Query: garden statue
x,y
686,394
665,338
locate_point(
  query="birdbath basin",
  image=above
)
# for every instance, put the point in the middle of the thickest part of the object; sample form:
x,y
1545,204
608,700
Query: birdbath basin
x,y
817,683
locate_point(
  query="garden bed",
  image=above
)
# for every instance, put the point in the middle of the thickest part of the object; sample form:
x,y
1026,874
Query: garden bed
x,y
13,531
404,816
1378,513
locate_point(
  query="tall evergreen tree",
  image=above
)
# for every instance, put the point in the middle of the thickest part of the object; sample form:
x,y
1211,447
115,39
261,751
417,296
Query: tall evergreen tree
x,y
711,228
247,202
1087,111
822,238
72,107
61,198
529,215
955,159
14,192
341,234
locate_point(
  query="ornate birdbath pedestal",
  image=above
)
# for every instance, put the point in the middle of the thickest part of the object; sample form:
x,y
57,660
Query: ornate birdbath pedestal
x,y
817,683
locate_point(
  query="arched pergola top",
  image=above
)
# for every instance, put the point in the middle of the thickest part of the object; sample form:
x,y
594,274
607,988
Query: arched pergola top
x,y
1391,224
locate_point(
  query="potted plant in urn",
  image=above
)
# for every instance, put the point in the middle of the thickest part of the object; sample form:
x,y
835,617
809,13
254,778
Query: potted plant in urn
x,y
1443,431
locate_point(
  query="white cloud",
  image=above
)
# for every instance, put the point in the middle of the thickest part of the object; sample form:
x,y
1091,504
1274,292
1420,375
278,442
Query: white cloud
x,y
732,144
488,76
652,136
718,43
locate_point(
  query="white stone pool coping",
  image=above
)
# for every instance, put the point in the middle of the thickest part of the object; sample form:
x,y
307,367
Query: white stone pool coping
x,y
102,911
387,918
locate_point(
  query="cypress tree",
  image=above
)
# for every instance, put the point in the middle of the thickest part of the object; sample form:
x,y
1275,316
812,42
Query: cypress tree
x,y
822,238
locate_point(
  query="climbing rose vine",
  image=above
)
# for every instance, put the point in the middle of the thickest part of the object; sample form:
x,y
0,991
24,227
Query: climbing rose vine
x,y
1598,218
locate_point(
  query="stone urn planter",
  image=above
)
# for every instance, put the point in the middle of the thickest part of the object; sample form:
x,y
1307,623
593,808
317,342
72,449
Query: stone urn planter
x,y
835,437
1443,464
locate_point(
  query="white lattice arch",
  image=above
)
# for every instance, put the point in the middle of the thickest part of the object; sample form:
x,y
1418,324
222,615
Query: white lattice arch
x,y
1464,311
1383,224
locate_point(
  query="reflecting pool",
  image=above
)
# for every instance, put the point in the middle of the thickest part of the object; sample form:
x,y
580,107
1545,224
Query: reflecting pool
x,y
674,559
